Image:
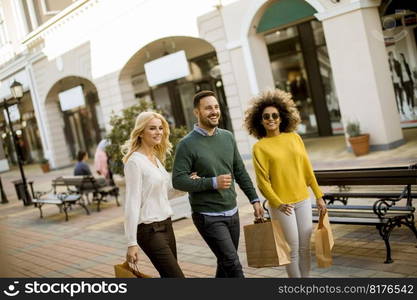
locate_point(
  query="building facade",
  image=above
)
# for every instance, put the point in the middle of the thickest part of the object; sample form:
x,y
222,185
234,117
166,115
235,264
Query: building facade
x,y
342,60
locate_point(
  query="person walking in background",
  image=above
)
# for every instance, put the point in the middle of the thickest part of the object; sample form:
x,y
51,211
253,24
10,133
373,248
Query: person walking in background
x,y
210,156
101,159
102,162
284,172
146,209
81,168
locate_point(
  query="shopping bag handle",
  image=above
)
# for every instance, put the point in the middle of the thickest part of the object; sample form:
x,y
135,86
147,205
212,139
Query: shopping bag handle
x,y
321,217
260,220
135,267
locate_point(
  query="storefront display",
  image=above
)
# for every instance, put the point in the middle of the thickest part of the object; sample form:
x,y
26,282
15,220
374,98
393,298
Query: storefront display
x,y
289,48
400,31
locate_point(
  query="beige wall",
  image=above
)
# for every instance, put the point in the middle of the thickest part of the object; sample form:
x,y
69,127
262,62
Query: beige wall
x,y
15,31
235,82
47,74
99,50
45,10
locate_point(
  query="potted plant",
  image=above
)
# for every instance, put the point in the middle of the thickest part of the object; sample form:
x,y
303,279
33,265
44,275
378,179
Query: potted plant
x,y
358,141
44,165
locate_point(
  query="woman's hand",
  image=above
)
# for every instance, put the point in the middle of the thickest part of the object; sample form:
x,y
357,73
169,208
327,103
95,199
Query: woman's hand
x,y
132,255
194,175
321,205
286,209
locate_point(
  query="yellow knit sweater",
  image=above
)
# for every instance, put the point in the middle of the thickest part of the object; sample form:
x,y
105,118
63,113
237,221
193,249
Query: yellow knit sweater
x,y
283,169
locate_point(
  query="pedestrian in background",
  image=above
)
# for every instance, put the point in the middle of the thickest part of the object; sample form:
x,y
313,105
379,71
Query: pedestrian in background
x,y
211,153
82,168
102,162
101,159
284,172
146,209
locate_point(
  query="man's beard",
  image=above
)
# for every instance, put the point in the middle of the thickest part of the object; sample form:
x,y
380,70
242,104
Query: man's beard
x,y
207,123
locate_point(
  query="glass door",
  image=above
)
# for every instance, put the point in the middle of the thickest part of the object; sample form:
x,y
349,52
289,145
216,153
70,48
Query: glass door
x,y
327,78
186,93
289,73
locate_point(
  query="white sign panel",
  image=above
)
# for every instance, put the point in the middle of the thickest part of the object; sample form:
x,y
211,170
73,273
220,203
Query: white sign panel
x,y
167,68
71,98
13,112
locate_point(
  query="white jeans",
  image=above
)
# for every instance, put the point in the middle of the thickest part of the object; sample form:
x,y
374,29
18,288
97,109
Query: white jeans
x,y
297,229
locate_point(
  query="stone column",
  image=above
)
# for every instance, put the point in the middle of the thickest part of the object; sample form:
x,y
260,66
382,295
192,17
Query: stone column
x,y
233,74
361,72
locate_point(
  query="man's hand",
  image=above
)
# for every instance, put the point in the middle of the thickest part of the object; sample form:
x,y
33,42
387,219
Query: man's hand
x,y
224,181
258,210
194,176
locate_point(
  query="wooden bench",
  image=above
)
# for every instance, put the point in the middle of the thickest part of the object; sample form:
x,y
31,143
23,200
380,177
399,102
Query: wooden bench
x,y
390,187
86,185
64,201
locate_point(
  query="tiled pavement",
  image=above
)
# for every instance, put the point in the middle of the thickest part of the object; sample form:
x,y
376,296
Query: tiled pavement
x,y
89,246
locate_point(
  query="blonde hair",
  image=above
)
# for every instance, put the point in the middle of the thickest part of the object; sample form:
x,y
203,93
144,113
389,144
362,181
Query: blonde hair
x,y
134,142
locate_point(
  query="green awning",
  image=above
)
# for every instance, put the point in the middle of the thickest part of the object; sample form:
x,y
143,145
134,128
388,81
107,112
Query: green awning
x,y
284,12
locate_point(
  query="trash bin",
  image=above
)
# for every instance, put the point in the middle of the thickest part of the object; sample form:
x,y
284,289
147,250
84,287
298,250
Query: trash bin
x,y
21,193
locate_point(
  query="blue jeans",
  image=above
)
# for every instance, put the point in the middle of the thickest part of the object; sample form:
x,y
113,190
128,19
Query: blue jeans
x,y
222,236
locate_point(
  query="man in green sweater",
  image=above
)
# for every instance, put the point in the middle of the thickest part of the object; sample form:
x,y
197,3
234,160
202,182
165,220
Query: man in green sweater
x,y
212,155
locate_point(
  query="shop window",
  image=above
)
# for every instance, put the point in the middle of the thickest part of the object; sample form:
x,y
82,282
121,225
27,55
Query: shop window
x,y
3,35
399,24
293,53
52,7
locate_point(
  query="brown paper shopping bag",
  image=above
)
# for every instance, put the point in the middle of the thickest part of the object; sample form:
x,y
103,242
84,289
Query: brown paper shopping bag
x,y
266,245
324,242
125,271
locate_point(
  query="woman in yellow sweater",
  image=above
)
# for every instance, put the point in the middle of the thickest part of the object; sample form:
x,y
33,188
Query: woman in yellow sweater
x,y
283,172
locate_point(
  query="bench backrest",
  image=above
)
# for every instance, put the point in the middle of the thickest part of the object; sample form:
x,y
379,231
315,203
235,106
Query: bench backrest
x,y
367,177
81,183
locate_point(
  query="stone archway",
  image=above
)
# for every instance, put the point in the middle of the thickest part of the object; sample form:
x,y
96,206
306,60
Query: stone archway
x,y
174,98
79,126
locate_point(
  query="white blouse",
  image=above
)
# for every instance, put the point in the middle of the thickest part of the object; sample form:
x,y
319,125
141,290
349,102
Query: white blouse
x,y
146,194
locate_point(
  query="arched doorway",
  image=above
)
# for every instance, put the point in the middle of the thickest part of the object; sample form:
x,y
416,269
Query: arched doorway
x,y
174,97
76,101
287,32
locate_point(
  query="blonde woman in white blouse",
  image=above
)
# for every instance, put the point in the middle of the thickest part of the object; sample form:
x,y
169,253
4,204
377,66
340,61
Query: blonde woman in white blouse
x,y
147,210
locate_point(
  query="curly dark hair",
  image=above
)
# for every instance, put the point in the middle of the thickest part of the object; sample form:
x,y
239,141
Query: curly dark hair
x,y
288,112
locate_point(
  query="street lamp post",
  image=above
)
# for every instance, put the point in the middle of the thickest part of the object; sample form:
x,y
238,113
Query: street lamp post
x,y
16,89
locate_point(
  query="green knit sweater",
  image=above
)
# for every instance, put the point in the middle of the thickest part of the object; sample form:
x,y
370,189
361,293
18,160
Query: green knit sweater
x,y
210,156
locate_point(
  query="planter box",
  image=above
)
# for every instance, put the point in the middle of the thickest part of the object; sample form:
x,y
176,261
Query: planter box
x,y
360,144
45,168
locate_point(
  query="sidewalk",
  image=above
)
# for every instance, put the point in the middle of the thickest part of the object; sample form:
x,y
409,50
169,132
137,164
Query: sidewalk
x,y
89,246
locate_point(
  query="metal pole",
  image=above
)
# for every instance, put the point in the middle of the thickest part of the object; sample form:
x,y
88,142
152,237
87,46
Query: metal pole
x,y
22,172
3,194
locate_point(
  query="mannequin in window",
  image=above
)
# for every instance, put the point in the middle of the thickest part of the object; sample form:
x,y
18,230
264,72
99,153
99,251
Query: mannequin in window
x,y
407,82
396,75
298,89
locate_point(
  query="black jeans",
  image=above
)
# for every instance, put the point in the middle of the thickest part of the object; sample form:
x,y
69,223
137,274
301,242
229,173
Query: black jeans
x,y
157,240
222,236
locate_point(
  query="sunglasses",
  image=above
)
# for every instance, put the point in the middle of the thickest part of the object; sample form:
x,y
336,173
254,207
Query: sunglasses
x,y
267,116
